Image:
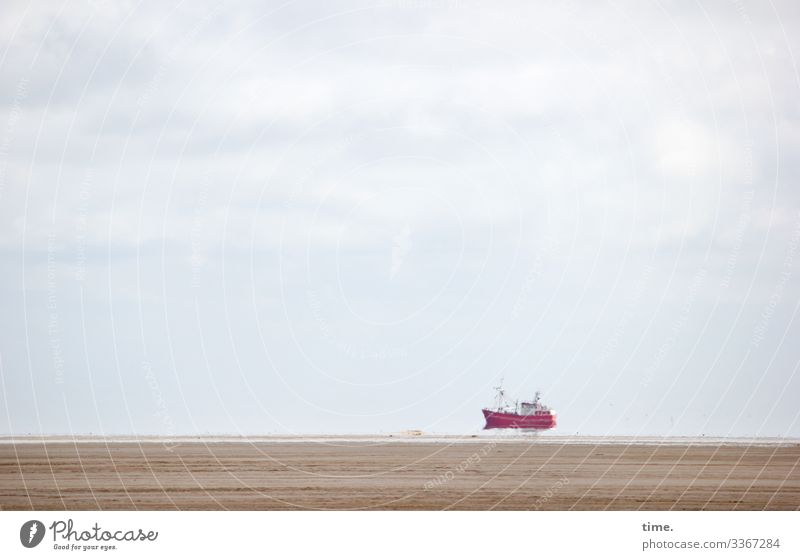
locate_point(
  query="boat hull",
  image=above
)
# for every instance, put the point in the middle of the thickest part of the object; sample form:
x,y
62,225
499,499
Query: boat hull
x,y
504,420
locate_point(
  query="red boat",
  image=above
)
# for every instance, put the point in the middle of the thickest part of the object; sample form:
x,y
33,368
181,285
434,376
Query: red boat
x,y
531,415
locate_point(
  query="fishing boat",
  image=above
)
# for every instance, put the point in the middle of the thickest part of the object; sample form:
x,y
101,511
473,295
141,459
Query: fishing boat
x,y
525,415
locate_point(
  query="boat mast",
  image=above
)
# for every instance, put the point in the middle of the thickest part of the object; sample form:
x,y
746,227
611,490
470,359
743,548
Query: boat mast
x,y
500,396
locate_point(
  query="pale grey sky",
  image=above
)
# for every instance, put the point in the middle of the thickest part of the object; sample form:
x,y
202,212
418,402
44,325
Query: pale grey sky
x,y
255,217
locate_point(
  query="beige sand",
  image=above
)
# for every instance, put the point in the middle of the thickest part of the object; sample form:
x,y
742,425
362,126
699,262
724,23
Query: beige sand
x,y
398,475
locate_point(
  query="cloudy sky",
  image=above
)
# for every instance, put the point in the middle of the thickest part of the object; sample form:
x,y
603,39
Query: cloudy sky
x,y
257,217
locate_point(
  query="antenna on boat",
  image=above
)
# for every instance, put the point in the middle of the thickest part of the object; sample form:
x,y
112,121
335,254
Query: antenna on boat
x,y
500,394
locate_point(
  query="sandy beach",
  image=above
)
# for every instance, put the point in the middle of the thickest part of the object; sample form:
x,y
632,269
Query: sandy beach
x,y
404,473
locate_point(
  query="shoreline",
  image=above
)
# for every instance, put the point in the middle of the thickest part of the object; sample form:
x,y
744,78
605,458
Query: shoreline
x,y
529,438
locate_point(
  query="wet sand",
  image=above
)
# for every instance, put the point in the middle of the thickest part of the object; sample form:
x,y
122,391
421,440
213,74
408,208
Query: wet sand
x,y
431,475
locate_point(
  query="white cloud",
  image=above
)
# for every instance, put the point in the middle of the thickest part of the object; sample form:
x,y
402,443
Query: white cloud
x,y
415,141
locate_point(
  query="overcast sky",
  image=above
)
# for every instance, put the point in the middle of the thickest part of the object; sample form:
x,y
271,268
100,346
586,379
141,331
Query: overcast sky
x,y
256,217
